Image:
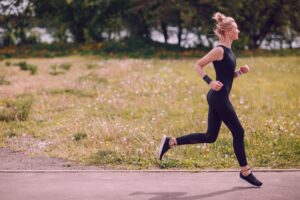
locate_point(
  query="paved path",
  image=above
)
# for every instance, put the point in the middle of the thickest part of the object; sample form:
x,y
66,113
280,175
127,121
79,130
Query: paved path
x,y
109,185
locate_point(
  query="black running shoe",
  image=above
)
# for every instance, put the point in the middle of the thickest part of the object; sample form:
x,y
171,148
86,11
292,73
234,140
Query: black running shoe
x,y
251,179
164,147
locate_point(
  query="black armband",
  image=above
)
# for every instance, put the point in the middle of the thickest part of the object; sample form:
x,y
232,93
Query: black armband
x,y
207,79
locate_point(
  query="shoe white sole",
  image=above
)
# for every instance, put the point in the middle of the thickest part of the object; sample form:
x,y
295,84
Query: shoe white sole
x,y
162,142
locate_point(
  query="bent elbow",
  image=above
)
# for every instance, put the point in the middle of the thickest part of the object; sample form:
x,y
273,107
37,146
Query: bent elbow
x,y
198,67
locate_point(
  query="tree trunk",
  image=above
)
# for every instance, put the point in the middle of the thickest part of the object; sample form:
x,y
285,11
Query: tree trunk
x,y
164,29
179,34
281,42
146,31
78,33
22,35
255,42
290,44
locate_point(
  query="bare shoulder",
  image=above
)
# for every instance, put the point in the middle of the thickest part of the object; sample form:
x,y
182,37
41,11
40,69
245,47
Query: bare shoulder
x,y
217,53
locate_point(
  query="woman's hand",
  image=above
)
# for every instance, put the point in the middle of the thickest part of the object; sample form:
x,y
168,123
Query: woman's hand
x,y
216,85
244,69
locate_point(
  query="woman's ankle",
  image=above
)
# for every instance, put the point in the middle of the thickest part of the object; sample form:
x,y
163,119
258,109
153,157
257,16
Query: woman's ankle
x,y
172,142
245,170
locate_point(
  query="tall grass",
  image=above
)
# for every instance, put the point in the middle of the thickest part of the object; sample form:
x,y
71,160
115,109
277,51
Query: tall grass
x,y
16,109
115,115
59,69
3,80
28,67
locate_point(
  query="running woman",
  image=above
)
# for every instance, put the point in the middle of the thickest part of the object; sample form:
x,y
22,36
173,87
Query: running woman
x,y
220,107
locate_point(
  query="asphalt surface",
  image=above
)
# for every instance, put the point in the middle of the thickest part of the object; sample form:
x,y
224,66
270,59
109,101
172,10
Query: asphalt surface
x,y
137,185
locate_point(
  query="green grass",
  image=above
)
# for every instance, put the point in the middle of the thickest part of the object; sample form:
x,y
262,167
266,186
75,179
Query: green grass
x,y
115,114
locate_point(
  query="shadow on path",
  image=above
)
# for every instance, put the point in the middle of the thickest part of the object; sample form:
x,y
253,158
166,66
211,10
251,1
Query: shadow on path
x,y
179,195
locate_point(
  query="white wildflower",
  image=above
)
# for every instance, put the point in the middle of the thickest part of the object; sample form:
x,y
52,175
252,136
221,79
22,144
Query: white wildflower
x,y
241,100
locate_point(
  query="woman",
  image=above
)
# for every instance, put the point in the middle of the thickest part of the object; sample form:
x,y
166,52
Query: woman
x,y
220,107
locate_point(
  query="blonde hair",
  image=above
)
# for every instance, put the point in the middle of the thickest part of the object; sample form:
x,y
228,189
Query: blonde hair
x,y
223,24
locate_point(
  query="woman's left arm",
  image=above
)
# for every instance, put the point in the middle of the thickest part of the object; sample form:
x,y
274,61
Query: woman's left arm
x,y
243,70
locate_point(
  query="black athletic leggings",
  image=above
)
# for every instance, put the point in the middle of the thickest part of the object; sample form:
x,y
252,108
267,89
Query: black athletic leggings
x,y
220,109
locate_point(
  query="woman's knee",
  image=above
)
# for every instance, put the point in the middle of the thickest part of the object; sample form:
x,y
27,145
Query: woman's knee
x,y
211,136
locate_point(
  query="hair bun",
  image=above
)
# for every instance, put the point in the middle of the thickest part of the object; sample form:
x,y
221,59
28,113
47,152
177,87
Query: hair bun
x,y
223,24
219,17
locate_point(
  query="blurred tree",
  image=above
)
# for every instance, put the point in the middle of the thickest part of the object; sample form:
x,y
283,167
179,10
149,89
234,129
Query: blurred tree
x,y
63,15
98,20
256,24
202,23
85,19
291,26
15,19
160,15
134,18
107,18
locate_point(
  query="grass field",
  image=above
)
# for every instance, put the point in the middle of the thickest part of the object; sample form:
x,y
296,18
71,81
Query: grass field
x,y
113,112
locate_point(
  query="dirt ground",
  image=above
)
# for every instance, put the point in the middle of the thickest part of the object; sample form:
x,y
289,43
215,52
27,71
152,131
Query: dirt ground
x,y
16,160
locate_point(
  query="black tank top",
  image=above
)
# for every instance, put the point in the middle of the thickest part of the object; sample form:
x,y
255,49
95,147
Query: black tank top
x,y
225,69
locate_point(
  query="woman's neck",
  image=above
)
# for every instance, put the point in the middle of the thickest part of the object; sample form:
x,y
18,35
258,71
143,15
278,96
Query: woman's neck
x,y
226,42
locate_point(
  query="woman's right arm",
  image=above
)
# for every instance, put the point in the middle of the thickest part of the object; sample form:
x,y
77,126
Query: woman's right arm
x,y
213,55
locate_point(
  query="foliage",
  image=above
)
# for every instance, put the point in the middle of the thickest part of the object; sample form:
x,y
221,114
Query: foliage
x,y
16,109
15,19
93,21
123,49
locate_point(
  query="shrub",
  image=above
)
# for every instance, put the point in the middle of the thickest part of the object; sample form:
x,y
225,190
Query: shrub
x,y
91,66
59,69
3,81
27,67
16,109
55,70
73,91
106,157
79,136
65,66
93,78
10,134
135,47
7,63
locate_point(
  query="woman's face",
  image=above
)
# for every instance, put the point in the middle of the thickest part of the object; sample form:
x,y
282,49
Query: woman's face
x,y
233,34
